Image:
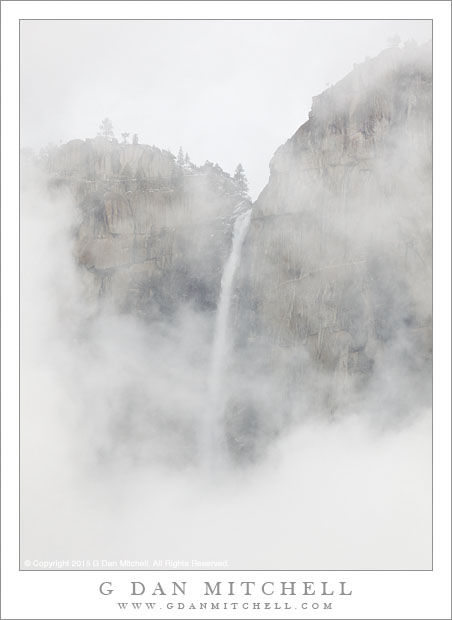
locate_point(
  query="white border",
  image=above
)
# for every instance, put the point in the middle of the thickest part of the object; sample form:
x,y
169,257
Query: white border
x,y
376,594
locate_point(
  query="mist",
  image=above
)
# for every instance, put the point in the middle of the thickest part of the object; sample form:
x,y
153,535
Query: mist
x,y
247,384
226,90
112,411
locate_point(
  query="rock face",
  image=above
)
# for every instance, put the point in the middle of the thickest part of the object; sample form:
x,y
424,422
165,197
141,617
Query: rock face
x,y
153,233
335,280
331,305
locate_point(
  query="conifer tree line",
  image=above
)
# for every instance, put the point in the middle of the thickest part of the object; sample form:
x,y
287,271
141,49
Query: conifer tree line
x,y
184,161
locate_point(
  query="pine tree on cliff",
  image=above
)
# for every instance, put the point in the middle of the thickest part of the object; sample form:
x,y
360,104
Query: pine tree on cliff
x,y
241,180
180,157
106,129
125,137
187,161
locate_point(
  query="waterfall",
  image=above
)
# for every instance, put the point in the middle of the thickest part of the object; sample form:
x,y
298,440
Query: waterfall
x,y
214,439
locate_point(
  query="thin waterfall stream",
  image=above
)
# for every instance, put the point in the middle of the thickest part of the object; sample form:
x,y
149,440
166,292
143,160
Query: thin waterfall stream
x,y
214,439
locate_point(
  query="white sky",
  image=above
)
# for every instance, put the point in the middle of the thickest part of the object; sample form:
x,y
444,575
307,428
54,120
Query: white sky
x,y
227,91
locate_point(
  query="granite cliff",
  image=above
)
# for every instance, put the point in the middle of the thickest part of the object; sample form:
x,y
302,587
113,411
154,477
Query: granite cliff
x,y
331,303
335,278
154,233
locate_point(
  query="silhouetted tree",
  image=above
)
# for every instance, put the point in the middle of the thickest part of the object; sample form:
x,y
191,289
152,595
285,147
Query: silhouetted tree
x,y
135,138
180,157
125,137
106,129
241,180
187,161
